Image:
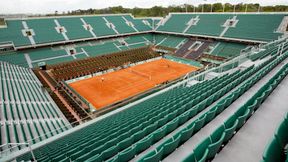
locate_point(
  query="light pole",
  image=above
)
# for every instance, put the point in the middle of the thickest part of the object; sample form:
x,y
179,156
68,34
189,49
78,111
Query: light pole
x,y
246,8
234,8
224,7
202,8
259,8
203,5
211,8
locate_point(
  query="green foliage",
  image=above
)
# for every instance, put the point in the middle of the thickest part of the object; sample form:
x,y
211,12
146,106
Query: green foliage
x,y
159,11
2,21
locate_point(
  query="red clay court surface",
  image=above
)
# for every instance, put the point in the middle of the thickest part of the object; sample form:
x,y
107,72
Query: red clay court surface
x,y
112,87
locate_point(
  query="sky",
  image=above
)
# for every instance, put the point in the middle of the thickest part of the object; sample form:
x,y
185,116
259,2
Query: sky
x,y
49,6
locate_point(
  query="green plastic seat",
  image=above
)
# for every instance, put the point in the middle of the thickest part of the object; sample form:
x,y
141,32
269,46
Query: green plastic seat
x,y
190,158
95,158
59,158
229,101
220,108
183,118
192,112
199,123
127,154
125,143
172,125
151,128
242,118
162,121
201,106
172,115
171,146
201,151
259,101
143,144
210,115
252,107
273,153
186,134
77,154
153,156
114,159
215,145
230,131
123,136
85,156
139,135
282,134
159,134
110,152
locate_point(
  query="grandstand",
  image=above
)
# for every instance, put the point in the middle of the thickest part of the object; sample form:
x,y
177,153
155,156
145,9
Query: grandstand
x,y
28,114
245,27
112,87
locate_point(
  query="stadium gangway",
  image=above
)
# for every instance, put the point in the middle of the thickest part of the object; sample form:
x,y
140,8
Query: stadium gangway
x,y
10,147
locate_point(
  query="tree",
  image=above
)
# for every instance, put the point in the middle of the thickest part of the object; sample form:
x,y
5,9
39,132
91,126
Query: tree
x,y
158,11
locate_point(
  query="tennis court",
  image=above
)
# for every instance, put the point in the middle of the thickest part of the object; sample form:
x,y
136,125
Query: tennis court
x,y
112,87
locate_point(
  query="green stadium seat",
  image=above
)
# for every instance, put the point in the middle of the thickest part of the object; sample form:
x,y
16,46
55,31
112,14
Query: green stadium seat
x,y
201,151
199,123
190,158
114,159
85,157
187,133
281,134
60,157
151,128
242,114
127,154
170,146
274,152
95,158
77,154
125,143
163,121
210,115
230,127
143,144
172,125
136,129
192,112
156,155
220,108
110,152
228,100
172,115
217,139
159,134
139,135
183,118
252,107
